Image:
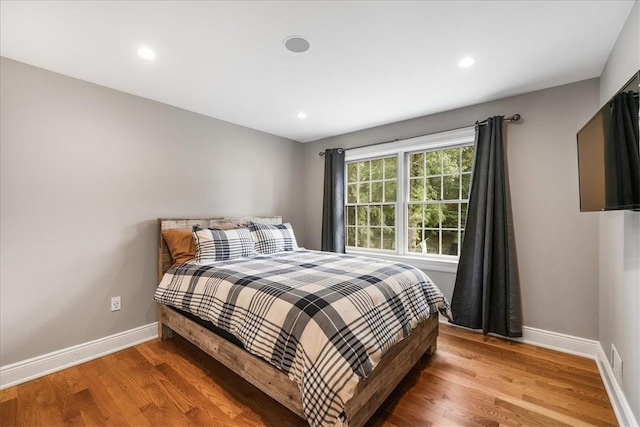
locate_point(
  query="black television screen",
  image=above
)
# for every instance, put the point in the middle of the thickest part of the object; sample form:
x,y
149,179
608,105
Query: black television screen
x,y
609,154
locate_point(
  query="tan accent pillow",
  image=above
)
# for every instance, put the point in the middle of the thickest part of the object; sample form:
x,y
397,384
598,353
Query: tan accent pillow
x,y
180,244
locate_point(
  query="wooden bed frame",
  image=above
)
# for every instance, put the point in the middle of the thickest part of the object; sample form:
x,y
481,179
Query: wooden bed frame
x,y
370,393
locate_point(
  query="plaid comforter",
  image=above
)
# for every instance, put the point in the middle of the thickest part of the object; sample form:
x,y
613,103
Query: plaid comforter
x,y
325,319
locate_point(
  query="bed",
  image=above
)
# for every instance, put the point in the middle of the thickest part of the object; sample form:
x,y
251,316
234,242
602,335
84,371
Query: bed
x,y
369,392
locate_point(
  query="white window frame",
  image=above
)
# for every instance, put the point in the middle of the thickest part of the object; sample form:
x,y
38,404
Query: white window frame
x,y
402,149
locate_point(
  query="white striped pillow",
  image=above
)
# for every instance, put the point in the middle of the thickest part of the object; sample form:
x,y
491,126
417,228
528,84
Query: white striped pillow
x,y
269,239
222,245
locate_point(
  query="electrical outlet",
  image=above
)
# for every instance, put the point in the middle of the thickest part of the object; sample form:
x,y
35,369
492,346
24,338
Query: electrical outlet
x,y
616,364
116,303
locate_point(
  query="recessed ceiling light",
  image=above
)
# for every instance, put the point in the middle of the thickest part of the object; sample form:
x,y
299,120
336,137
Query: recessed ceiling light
x,y
466,62
146,53
302,115
297,44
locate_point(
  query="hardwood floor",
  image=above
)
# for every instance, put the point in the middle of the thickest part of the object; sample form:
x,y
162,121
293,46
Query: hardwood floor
x,y
472,380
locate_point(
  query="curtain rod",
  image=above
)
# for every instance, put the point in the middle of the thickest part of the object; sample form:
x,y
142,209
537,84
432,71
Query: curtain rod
x,y
514,118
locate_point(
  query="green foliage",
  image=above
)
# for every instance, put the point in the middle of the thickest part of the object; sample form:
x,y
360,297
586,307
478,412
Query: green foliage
x,y
364,170
351,215
451,187
362,238
432,216
390,191
416,164
390,167
375,216
434,162
377,169
363,192
450,215
389,215
467,158
352,193
416,189
414,212
362,215
376,191
352,172
389,238
434,185
451,161
351,236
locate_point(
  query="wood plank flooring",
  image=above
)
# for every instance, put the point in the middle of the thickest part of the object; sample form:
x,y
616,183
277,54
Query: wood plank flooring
x,y
472,380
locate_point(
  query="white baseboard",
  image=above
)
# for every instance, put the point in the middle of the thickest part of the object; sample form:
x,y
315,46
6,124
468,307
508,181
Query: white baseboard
x,y
35,367
561,342
586,348
616,395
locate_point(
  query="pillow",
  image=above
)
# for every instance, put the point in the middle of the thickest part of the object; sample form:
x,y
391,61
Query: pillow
x,y
222,245
273,238
180,244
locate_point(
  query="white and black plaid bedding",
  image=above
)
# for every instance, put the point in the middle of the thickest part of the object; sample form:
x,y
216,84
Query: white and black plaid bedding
x,y
325,319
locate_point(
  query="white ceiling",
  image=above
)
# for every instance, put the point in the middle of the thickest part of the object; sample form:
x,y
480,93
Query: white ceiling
x,y
370,62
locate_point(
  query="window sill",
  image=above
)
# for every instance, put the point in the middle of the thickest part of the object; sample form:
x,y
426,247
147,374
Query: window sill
x,y
430,264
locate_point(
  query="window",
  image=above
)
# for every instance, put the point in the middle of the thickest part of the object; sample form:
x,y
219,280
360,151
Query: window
x,y
439,182
409,198
371,203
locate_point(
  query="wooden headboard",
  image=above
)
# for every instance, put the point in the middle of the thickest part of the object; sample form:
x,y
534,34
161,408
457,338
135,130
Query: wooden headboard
x,y
164,257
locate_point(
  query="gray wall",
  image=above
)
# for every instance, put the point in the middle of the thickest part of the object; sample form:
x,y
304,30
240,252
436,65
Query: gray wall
x,y
620,238
85,172
557,245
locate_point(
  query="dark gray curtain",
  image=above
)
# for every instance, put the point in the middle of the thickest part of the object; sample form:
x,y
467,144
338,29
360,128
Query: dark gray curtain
x,y
333,202
622,156
487,289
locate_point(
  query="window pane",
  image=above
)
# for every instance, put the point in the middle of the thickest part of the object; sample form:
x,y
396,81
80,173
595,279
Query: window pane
x,y
432,216
414,240
351,236
416,189
364,171
414,219
390,191
390,166
466,185
450,243
362,237
450,160
351,215
375,238
352,193
450,215
376,192
389,214
451,187
431,242
376,169
389,238
375,216
416,164
433,163
433,188
363,192
363,212
467,158
352,172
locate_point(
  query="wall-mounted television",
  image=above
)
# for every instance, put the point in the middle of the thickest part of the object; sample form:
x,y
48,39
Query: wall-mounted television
x,y
609,154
